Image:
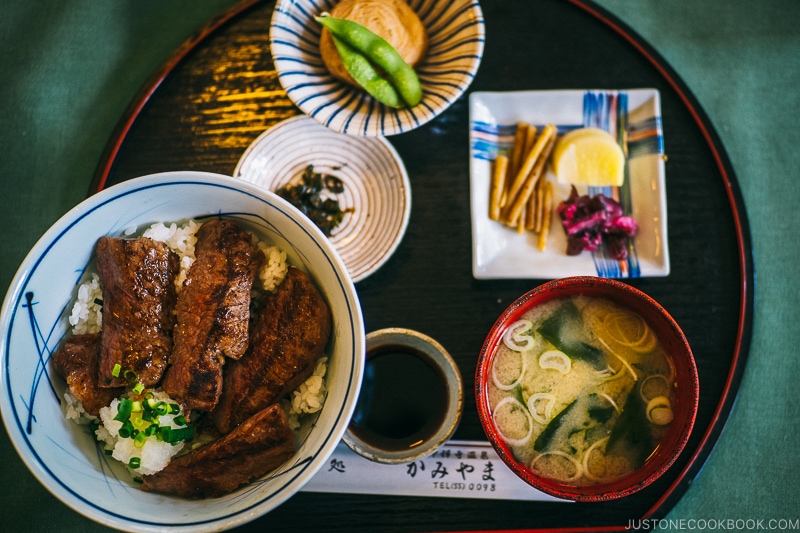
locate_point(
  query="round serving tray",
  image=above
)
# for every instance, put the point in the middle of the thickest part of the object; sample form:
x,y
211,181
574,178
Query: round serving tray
x,y
219,91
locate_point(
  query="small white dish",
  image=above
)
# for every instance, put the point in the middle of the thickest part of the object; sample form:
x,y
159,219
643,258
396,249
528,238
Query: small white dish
x,y
375,182
456,34
500,252
65,457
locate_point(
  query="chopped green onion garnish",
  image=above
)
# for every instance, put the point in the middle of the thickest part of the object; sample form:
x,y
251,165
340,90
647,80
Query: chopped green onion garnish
x,y
139,439
124,410
108,452
184,433
135,462
180,420
116,370
174,408
126,430
136,406
161,408
130,376
174,436
138,388
151,430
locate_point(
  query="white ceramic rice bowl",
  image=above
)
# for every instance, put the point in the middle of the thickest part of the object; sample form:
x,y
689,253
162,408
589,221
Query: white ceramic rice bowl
x,y
63,456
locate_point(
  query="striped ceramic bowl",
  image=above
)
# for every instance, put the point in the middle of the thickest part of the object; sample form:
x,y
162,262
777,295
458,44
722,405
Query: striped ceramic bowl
x,y
456,34
376,185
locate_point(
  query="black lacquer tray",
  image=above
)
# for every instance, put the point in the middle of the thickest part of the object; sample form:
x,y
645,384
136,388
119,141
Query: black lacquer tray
x,y
219,91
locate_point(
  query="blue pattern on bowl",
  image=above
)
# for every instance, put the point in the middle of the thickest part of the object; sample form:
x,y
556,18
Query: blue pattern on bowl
x,y
456,39
64,456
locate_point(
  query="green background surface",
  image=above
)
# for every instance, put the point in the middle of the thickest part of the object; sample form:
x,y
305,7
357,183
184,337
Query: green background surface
x,y
68,69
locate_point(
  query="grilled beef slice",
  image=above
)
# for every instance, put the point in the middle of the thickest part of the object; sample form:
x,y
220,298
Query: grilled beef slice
x,y
77,361
137,277
288,336
259,445
212,313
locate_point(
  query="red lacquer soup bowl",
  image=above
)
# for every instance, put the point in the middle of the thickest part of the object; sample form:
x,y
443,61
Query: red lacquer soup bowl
x,y
587,388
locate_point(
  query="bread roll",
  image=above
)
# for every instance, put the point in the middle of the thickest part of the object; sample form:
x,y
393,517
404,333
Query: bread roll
x,y
391,19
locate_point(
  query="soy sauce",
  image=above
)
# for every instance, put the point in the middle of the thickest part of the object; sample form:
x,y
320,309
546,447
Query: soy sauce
x,y
403,399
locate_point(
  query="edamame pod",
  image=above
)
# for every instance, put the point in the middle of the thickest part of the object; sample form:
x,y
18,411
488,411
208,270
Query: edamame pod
x,y
362,71
380,52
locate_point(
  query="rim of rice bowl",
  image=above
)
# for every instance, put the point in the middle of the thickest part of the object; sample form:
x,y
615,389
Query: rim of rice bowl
x,y
63,455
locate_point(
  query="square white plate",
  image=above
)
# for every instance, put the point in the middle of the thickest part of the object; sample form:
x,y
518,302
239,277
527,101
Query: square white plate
x,y
500,252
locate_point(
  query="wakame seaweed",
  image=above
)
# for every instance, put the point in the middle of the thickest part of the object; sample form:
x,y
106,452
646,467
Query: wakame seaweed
x,y
632,431
590,414
546,437
564,330
601,414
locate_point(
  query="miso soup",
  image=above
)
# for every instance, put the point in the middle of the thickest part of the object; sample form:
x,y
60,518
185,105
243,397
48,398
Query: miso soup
x,y
581,390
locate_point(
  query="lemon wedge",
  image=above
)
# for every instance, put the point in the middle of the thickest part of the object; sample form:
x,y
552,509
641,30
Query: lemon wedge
x,y
588,156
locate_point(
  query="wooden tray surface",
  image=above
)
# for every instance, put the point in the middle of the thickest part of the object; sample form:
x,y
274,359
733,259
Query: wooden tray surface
x,y
219,91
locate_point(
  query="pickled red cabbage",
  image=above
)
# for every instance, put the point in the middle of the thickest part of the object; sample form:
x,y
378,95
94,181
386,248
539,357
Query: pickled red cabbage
x,y
591,221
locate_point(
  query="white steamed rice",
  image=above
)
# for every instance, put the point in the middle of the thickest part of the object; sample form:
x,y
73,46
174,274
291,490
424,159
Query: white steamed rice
x,y
87,317
74,411
275,267
87,311
181,240
308,397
